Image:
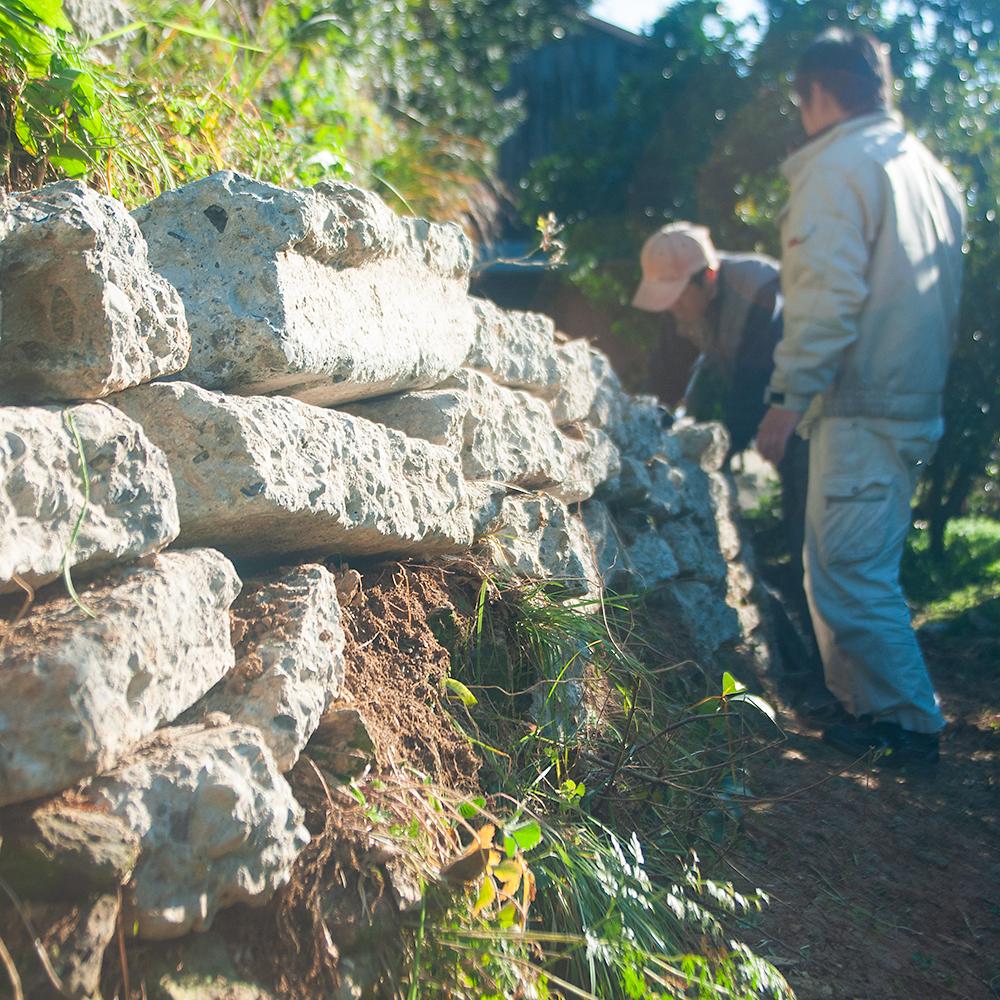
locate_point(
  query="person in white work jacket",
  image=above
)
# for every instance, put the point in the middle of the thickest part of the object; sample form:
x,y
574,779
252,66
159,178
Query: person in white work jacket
x,y
871,274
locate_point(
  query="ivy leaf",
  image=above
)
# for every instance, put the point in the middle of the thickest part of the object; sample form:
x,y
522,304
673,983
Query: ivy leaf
x,y
758,703
525,837
471,809
730,685
507,916
487,893
458,690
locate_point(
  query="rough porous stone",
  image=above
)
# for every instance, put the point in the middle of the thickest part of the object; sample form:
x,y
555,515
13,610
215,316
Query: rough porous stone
x,y
434,415
198,968
504,436
259,475
289,659
83,314
342,743
722,491
578,382
536,538
132,509
642,430
698,557
79,691
668,494
94,18
594,458
609,555
709,620
651,560
75,938
631,487
705,444
323,294
217,823
610,400
60,851
517,349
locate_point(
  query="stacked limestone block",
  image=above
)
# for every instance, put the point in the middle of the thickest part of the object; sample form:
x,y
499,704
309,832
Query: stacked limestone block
x,y
96,675
293,377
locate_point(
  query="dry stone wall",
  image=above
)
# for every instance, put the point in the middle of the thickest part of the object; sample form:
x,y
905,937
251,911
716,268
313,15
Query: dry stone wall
x,y
284,380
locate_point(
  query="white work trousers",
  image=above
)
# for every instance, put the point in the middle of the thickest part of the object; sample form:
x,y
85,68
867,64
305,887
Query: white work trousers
x,y
862,474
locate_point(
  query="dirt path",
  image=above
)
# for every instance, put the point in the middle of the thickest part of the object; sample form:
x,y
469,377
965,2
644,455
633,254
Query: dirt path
x,y
885,885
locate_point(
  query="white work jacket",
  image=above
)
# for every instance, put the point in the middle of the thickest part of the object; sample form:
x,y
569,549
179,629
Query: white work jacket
x,y
870,272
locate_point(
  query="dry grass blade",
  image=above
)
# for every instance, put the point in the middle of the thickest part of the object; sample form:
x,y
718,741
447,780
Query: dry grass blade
x,y
8,963
43,955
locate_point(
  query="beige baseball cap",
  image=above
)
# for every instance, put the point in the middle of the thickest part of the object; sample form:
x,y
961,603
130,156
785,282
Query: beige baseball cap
x,y
670,258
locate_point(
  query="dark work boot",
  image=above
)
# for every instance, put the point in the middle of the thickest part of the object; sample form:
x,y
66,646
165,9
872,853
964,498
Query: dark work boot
x,y
890,744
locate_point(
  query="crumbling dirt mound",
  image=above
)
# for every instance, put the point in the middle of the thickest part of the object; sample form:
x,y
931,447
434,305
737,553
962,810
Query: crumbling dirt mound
x,y
396,668
351,887
884,884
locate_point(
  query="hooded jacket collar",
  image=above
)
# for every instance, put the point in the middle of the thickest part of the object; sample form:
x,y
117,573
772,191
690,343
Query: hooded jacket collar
x,y
798,160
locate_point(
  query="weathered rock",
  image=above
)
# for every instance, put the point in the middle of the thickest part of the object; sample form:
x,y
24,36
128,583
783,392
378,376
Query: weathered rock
x,y
504,436
594,458
517,349
79,690
705,444
94,18
217,822
322,294
342,742
608,549
259,475
197,968
642,430
59,851
631,487
83,314
132,508
510,438
485,499
289,659
434,415
75,936
722,491
536,538
651,560
698,557
704,613
610,400
578,382
668,495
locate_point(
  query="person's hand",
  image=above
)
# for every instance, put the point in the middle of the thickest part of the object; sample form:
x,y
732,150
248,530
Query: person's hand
x,y
775,429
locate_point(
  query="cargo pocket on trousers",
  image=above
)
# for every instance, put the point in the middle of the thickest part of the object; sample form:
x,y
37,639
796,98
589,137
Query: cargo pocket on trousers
x,y
855,518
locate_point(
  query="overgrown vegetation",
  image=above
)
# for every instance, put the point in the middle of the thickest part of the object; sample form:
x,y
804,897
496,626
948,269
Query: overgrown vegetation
x,y
398,95
604,761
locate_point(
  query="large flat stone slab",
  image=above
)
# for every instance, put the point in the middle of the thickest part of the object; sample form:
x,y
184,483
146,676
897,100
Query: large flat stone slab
x,y
132,508
516,349
217,824
289,659
263,475
578,378
322,294
504,436
78,692
536,538
83,313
